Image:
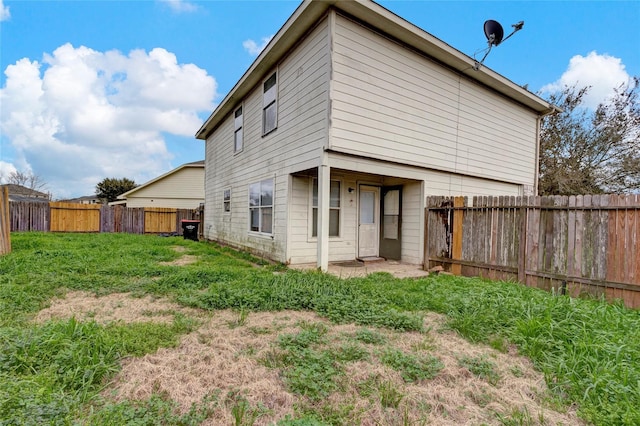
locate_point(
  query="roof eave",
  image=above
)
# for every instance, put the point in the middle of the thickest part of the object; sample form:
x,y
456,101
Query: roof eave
x,y
306,15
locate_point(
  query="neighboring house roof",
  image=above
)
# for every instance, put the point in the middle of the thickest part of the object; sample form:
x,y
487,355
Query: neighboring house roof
x,y
195,164
92,199
28,199
22,193
310,11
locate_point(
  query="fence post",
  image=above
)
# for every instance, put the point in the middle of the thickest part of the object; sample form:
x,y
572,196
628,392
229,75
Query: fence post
x,y
522,248
456,249
5,222
425,264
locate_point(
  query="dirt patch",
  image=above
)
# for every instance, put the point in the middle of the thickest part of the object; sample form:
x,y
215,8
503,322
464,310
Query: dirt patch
x,y
112,307
185,259
223,358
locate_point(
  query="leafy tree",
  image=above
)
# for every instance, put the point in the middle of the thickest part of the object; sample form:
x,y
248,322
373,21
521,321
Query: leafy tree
x,y
109,188
584,151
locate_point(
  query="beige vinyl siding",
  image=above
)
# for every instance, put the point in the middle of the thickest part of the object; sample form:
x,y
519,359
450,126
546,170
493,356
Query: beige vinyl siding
x,y
450,184
295,145
495,139
183,189
301,249
390,103
303,245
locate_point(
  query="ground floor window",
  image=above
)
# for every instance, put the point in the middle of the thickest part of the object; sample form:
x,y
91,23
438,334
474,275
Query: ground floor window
x,y
261,206
334,209
227,200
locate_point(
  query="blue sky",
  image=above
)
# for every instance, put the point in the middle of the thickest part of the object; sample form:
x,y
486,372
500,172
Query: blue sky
x,y
95,89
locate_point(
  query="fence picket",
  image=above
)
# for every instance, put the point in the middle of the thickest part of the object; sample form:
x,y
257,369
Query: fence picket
x,y
576,244
71,217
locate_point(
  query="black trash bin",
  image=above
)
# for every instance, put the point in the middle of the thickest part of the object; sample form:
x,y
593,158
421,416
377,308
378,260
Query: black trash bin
x,y
190,229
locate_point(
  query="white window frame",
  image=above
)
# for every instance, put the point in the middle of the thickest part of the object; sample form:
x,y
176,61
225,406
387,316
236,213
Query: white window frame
x,y
226,201
269,103
261,207
314,208
238,129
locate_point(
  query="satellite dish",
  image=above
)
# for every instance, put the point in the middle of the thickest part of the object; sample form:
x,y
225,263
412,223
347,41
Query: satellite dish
x,y
494,32
495,35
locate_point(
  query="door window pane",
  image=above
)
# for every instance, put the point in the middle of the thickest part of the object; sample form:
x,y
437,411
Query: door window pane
x,y
367,207
390,230
392,202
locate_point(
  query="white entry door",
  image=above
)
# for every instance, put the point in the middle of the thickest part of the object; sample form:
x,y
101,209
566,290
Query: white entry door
x,y
368,221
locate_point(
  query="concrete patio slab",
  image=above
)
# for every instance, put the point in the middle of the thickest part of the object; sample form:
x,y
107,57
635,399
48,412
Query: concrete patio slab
x,y
355,268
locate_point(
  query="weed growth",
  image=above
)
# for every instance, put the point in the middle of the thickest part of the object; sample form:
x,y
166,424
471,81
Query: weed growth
x,y
588,350
413,368
481,367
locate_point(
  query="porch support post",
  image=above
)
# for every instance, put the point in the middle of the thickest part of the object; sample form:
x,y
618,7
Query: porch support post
x,y
324,183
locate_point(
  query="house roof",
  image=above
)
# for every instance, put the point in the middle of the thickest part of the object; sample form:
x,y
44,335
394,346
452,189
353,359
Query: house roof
x,y
310,11
19,190
195,164
80,199
28,199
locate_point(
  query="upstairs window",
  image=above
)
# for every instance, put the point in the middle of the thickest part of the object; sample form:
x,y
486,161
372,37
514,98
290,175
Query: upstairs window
x,y
270,105
226,202
334,209
237,132
261,206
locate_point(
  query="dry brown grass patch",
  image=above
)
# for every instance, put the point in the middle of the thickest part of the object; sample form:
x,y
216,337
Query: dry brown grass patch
x,y
185,259
112,307
220,356
223,358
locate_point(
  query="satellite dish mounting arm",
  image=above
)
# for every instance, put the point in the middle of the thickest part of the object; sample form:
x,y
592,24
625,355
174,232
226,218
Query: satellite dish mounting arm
x,y
494,33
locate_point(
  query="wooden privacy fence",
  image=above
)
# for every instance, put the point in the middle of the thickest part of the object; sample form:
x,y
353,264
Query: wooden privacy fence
x,y
578,244
71,217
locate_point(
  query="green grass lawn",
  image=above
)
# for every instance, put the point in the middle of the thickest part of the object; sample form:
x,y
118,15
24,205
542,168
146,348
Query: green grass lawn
x,y
53,372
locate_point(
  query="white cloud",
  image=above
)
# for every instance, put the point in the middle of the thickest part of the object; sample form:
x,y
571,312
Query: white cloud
x,y
5,170
4,12
83,115
180,6
602,72
253,48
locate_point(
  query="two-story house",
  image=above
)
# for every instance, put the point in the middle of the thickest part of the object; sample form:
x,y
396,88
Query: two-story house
x,y
327,147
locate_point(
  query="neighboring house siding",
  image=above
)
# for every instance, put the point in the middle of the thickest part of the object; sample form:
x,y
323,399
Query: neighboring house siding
x,y
183,203
390,103
183,189
295,145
